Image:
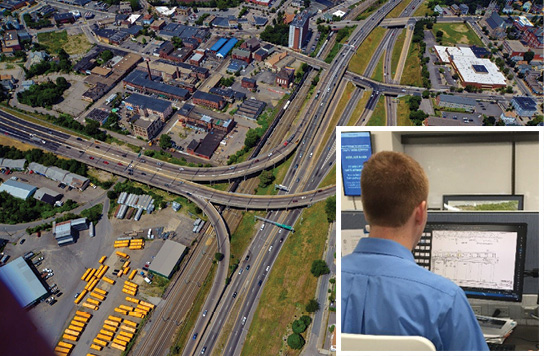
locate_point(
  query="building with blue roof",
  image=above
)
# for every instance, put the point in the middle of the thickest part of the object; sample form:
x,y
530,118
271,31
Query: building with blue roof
x,y
217,45
224,51
22,282
524,105
17,189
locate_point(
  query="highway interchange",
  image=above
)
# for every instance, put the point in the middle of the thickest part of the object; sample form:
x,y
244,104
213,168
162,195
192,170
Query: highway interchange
x,y
312,161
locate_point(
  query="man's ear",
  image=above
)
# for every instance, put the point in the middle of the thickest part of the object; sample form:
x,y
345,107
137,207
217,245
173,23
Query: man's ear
x,y
421,213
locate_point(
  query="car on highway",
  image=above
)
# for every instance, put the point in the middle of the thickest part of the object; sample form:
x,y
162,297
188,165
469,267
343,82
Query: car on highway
x,y
247,268
194,336
106,162
241,270
267,268
79,139
260,282
119,164
203,350
97,147
270,249
281,240
91,157
244,320
205,312
234,294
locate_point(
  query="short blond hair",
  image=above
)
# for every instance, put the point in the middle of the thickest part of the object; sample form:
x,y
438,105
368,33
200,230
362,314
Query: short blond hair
x,y
393,184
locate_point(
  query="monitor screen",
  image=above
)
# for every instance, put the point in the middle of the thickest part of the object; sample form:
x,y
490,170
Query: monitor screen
x,y
355,150
486,260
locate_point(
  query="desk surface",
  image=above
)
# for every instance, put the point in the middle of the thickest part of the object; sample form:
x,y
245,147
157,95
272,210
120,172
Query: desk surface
x,y
524,337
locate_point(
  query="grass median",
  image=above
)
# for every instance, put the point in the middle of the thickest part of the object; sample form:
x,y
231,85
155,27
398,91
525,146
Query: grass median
x,y
364,53
378,116
289,286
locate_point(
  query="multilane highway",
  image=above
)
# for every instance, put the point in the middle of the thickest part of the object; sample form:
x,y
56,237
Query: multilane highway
x,y
147,170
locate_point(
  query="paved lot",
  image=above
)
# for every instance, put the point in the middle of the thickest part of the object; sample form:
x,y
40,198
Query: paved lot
x,y
476,120
43,182
72,103
70,262
490,109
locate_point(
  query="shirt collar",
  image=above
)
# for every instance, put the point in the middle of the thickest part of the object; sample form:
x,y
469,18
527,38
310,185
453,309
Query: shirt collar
x,y
383,247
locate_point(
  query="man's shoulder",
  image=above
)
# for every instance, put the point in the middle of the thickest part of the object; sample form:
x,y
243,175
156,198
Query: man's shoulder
x,y
403,271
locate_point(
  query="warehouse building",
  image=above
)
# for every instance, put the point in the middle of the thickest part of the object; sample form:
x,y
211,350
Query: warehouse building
x,y
224,51
13,164
478,72
209,100
23,282
165,262
47,195
456,102
149,106
251,109
17,189
138,80
60,175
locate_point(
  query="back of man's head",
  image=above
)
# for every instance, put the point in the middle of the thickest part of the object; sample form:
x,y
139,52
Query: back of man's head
x,y
392,186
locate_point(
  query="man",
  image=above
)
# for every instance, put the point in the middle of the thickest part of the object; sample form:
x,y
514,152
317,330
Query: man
x,y
384,292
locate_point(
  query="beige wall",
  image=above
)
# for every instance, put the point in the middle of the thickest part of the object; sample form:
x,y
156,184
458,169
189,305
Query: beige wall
x,y
466,168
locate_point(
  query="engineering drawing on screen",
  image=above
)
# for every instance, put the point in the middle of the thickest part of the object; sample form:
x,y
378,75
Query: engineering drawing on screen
x,y
478,259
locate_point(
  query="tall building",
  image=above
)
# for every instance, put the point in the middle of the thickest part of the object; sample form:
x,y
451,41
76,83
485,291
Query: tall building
x,y
298,30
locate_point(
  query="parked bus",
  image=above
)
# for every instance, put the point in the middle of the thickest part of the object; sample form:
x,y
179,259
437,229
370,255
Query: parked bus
x,y
102,259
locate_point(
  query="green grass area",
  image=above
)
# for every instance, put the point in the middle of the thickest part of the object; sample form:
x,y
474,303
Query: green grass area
x,y
329,179
72,44
279,172
398,9
378,71
403,112
457,33
370,10
289,287
364,53
397,50
341,37
219,186
342,103
423,10
241,237
194,313
412,68
378,116
358,111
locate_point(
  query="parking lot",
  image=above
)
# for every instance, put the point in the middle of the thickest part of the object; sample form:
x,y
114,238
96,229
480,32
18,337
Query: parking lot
x,y
68,263
466,118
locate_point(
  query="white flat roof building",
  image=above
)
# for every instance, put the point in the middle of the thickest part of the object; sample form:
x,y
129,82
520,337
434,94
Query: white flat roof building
x,y
479,72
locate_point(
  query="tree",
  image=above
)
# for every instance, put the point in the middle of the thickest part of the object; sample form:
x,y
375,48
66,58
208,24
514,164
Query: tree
x,y
306,320
312,306
219,256
330,209
106,55
295,341
165,141
252,137
112,195
298,326
528,56
319,267
426,94
266,178
135,5
489,121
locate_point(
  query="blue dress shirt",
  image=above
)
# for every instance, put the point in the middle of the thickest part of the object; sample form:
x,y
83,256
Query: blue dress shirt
x,y
384,292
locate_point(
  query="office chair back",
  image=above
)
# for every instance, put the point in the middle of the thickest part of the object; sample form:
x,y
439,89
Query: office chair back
x,y
355,342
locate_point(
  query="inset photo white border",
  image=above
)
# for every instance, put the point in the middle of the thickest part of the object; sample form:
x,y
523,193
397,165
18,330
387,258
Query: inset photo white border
x,y
353,203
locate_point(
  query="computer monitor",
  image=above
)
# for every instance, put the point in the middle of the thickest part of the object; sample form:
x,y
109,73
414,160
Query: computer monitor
x,y
486,260
355,150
